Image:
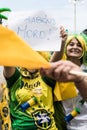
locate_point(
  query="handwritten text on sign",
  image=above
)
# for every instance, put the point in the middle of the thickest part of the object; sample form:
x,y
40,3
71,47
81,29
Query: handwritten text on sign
x,y
38,28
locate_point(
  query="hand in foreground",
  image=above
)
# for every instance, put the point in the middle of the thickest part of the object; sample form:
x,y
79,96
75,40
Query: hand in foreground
x,y
60,71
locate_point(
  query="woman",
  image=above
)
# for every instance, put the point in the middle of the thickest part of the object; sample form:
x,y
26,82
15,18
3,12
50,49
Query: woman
x,y
75,51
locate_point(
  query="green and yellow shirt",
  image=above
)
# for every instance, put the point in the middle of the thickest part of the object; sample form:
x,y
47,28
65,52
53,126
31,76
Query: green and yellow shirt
x,y
25,88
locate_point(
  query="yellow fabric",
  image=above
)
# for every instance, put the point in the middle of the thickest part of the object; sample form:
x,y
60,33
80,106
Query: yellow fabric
x,y
4,110
15,52
64,91
45,54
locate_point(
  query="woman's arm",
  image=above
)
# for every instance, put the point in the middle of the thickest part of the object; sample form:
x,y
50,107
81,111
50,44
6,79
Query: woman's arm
x,y
58,54
82,87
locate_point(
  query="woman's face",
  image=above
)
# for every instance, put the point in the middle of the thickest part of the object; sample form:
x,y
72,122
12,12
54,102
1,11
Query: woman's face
x,y
74,49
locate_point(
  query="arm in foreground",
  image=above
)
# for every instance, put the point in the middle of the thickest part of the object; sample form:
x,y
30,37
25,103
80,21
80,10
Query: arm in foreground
x,y
60,71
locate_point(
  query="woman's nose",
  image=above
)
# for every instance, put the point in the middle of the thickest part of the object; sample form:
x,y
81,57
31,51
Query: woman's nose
x,y
75,46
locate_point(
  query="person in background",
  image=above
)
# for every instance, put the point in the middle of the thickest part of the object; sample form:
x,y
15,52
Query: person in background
x,y
84,31
2,82
84,66
74,49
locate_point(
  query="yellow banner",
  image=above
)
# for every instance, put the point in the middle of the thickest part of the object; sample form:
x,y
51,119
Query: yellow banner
x,y
16,52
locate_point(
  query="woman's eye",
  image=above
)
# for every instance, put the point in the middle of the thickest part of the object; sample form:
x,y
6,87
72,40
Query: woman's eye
x,y
71,44
79,45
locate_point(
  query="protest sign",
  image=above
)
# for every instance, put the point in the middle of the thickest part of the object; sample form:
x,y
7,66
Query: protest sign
x,y
40,29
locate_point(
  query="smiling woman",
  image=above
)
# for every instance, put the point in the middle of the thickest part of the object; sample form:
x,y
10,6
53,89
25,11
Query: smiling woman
x,y
73,49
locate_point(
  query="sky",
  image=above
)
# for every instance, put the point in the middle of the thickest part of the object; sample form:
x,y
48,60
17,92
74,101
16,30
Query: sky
x,y
64,9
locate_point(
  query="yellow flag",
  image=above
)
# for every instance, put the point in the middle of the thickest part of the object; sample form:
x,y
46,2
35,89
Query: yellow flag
x,y
63,91
16,52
